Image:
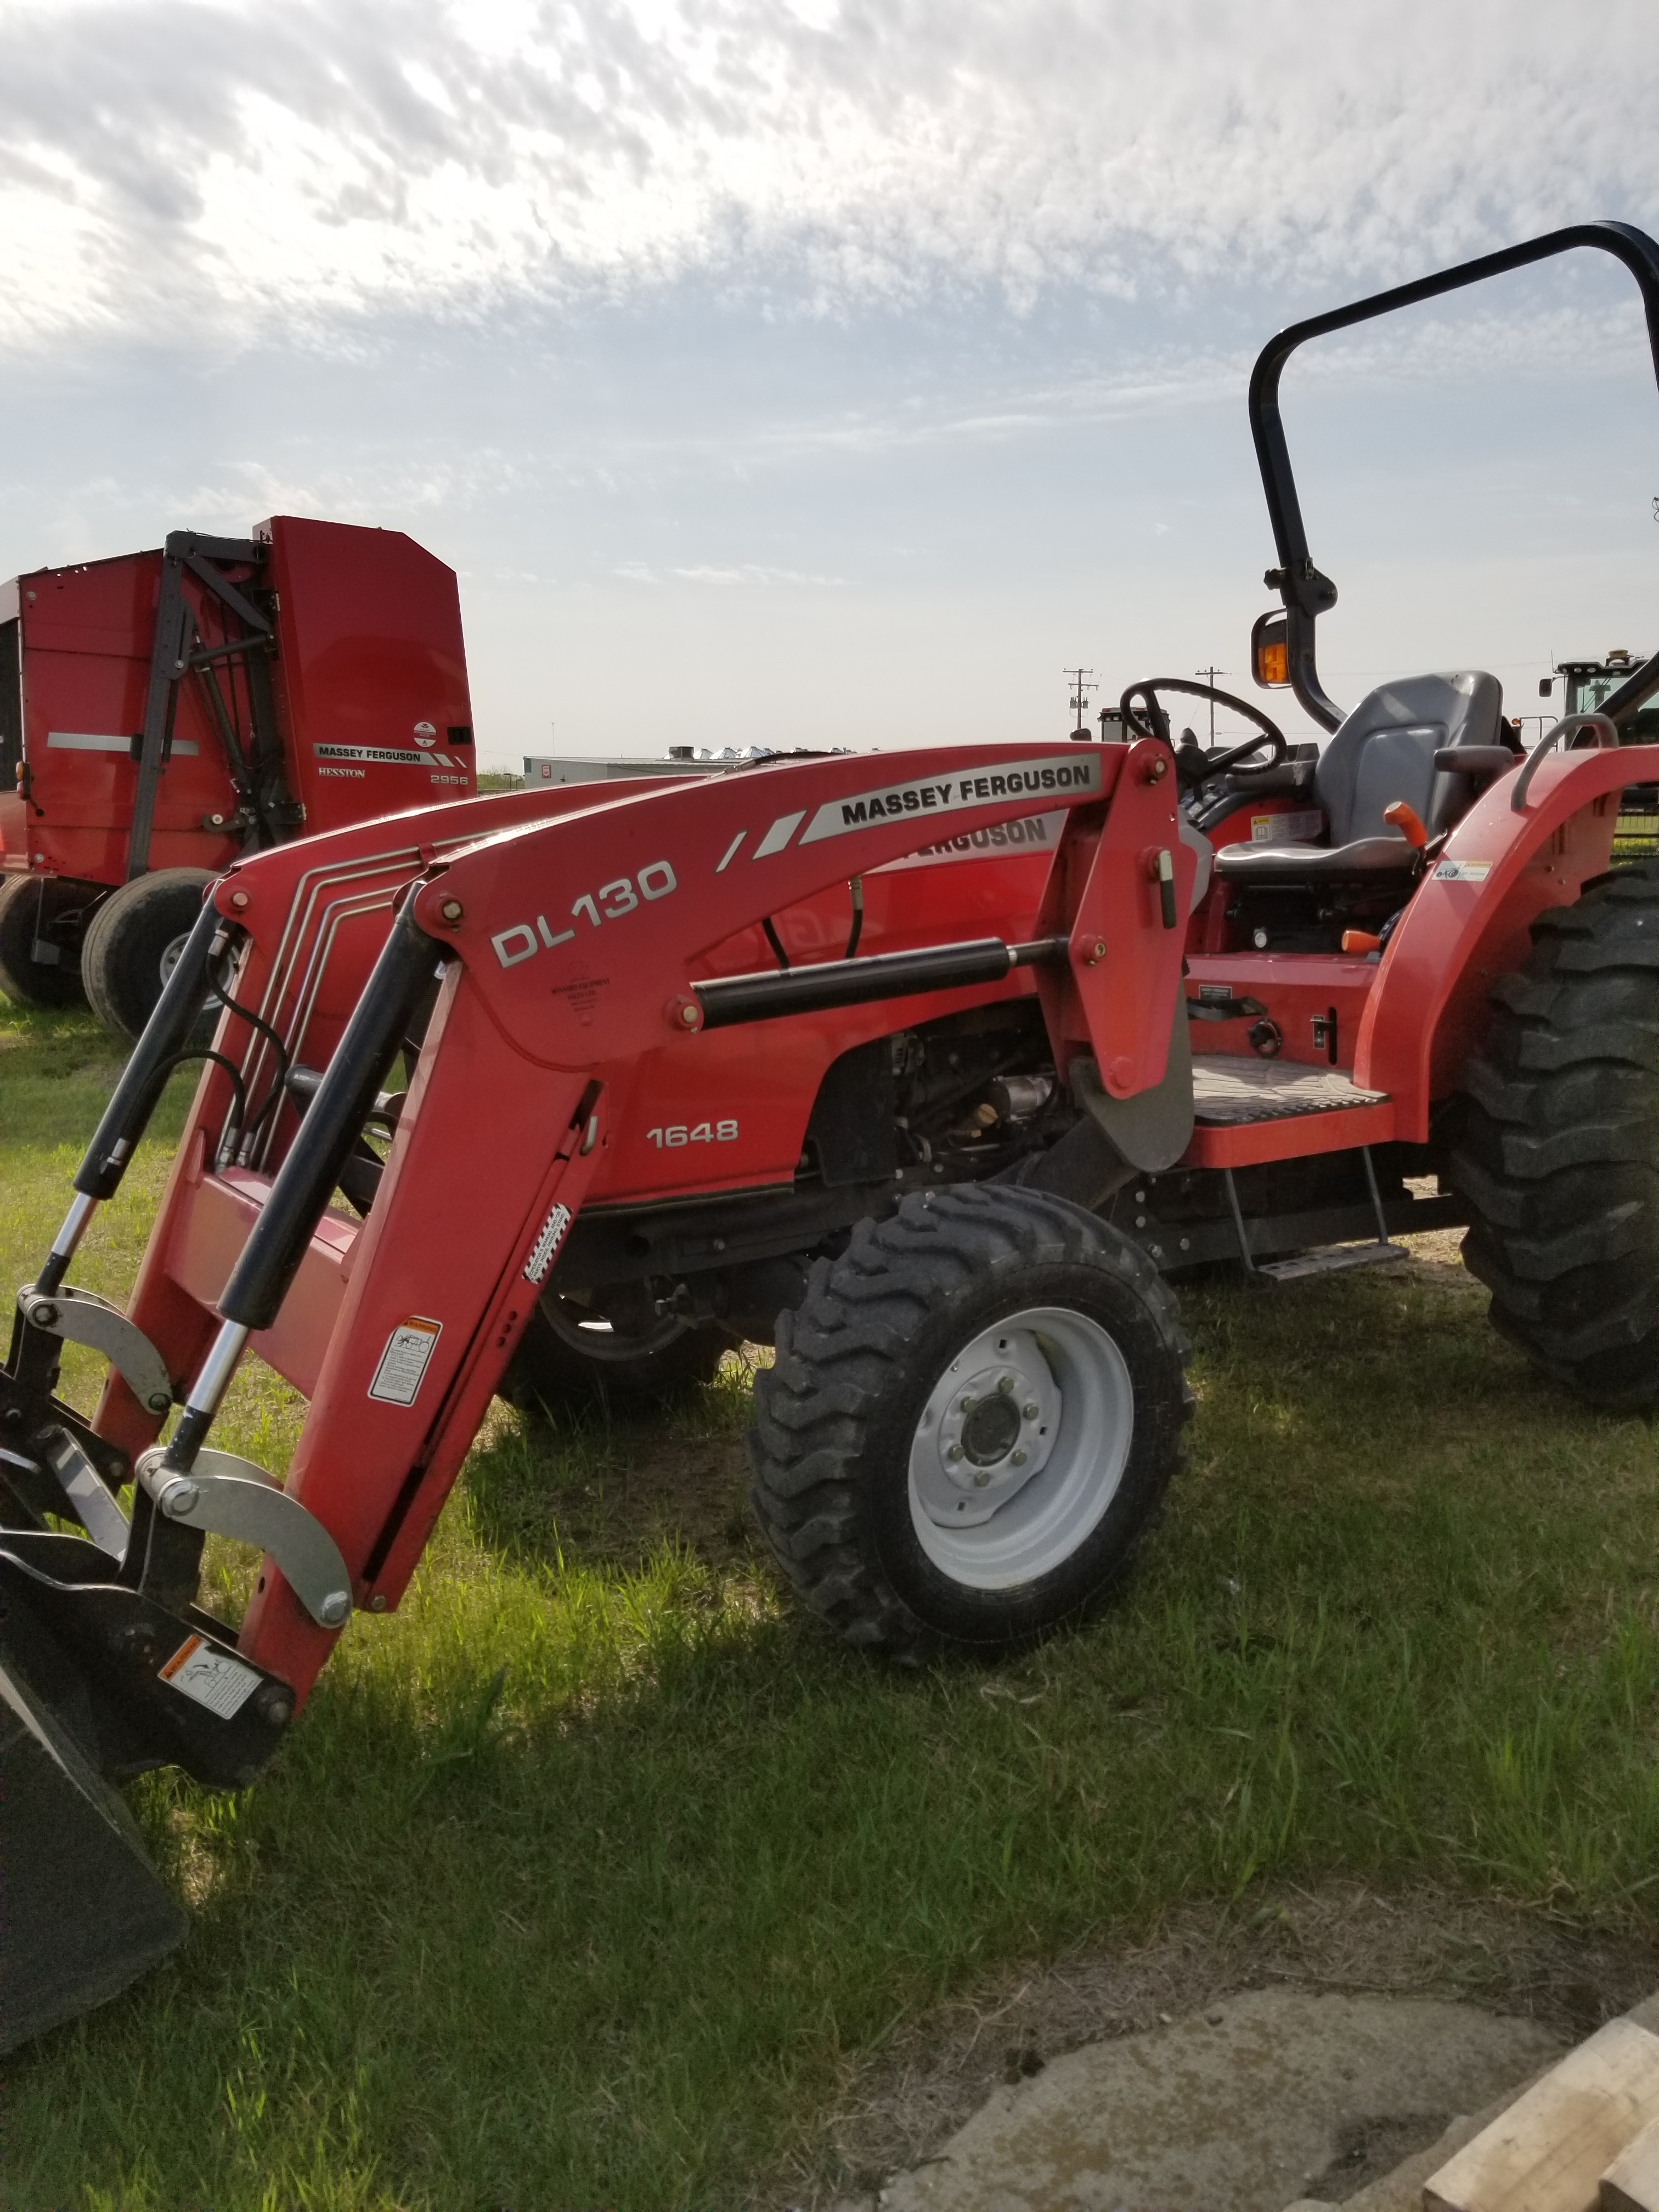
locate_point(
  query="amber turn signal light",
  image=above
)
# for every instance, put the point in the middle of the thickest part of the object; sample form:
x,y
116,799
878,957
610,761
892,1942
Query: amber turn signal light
x,y
1270,652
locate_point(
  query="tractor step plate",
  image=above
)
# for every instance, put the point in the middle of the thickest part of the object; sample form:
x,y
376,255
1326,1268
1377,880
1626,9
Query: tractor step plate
x,y
1330,1260
1228,1089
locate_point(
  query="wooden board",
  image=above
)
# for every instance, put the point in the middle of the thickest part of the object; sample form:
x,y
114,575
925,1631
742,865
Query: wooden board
x,y
1630,2183
1547,2153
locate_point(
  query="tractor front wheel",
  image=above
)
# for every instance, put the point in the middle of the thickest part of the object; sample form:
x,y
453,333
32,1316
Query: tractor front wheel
x,y
132,942
1559,1156
974,1415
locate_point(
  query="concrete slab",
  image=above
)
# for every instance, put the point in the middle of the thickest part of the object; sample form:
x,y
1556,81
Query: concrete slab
x,y
1241,2109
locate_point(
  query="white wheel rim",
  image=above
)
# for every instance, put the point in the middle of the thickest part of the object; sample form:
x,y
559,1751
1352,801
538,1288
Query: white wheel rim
x,y
1005,1486
171,955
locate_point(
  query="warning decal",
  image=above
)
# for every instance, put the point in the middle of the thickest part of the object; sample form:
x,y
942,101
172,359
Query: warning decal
x,y
1286,829
404,1362
212,1677
1463,871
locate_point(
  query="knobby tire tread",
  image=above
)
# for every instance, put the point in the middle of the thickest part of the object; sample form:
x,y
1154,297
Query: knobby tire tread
x,y
1559,1157
844,1353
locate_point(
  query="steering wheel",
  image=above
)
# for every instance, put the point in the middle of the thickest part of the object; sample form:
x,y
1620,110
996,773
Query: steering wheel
x,y
1196,767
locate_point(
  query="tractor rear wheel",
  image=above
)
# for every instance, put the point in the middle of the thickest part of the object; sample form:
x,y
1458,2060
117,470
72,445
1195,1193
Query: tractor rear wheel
x,y
1560,1157
627,1357
132,942
973,1417
26,981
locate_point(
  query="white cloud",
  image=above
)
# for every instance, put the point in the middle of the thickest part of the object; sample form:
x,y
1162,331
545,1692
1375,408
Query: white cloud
x,y
750,572
215,171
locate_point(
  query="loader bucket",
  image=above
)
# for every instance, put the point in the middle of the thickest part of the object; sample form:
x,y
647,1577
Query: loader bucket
x,y
83,1912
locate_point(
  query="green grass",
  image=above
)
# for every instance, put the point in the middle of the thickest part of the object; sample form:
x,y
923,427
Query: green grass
x,y
589,1878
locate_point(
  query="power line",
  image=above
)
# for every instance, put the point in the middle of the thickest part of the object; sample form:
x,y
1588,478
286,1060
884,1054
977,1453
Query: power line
x,y
1080,690
1209,676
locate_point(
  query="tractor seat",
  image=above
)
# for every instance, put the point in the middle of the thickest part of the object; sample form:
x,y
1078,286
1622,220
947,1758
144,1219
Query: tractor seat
x,y
1382,752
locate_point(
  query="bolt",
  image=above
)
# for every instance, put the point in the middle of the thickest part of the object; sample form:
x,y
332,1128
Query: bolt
x,y
452,909
1030,1409
158,1401
1097,952
689,1017
336,1609
279,1711
180,1498
1140,1221
377,1603
954,1452
981,1478
1017,1459
239,900
44,1316
1005,1383
966,1406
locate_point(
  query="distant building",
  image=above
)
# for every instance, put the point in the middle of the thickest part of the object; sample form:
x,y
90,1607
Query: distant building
x,y
681,760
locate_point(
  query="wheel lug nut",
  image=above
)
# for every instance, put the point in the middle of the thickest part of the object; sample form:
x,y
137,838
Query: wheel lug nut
x,y
966,1406
981,1480
954,1452
1030,1409
1017,1458
1006,1384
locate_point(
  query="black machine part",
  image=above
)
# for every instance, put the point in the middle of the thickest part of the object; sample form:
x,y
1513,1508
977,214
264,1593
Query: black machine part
x,y
85,1911
267,812
1305,592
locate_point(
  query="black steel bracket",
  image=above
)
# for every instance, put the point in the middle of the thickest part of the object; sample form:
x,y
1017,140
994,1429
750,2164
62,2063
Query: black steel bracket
x,y
1305,592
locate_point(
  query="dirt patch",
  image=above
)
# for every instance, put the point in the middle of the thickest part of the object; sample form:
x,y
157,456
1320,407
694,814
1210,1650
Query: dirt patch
x,y
607,1490
936,2072
669,1490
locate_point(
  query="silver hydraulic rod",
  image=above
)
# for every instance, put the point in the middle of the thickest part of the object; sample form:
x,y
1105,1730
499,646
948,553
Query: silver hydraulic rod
x,y
66,1242
207,1392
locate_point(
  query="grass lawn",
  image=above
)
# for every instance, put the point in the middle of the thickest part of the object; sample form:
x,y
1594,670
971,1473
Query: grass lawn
x,y
591,1878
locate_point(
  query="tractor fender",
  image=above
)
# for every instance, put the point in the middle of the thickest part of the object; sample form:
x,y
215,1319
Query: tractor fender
x,y
1470,919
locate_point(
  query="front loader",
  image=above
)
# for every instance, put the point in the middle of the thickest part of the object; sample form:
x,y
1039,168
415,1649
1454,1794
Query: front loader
x,y
928,1067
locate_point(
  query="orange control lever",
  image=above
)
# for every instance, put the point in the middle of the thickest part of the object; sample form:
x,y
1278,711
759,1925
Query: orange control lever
x,y
1360,940
1407,820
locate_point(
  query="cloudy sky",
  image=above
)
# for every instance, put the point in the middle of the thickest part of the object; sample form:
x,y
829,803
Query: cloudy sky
x,y
836,371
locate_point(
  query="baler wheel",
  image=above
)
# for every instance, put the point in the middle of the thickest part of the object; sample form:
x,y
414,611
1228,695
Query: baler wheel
x,y
131,943
973,1417
1560,1157
25,980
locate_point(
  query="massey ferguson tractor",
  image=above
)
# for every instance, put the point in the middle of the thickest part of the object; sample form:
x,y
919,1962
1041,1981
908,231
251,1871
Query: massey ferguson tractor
x,y
930,1068
166,712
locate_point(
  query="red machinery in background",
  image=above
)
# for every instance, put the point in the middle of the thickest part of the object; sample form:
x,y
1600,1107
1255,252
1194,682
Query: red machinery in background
x,y
163,714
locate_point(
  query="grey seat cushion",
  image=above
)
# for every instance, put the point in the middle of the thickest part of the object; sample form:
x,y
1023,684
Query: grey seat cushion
x,y
1382,752
1365,857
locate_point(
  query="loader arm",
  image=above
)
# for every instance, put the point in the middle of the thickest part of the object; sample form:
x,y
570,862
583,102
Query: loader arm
x,y
569,950
569,942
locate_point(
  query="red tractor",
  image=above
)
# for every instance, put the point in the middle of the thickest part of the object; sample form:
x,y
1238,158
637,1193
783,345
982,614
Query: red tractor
x,y
163,712
930,1068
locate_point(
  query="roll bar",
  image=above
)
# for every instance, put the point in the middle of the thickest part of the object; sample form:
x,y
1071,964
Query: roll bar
x,y
1306,594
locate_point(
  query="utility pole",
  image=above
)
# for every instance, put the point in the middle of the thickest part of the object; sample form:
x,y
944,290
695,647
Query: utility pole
x,y
1209,676
1080,690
